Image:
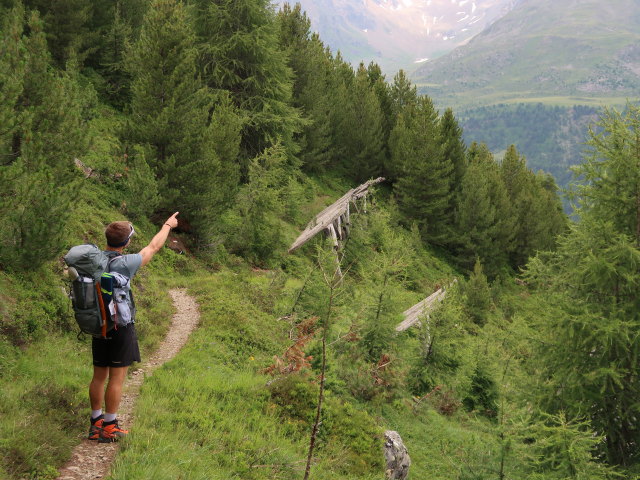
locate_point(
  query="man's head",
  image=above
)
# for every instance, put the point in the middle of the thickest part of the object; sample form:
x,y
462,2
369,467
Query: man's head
x,y
118,234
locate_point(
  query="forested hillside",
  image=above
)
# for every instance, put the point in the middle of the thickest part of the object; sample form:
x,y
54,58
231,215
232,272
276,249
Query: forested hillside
x,y
553,138
242,120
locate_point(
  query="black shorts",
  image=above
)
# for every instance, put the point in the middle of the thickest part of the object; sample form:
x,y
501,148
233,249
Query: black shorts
x,y
120,350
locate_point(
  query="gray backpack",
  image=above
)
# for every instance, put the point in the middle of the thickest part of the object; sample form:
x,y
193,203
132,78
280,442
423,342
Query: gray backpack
x,y
101,299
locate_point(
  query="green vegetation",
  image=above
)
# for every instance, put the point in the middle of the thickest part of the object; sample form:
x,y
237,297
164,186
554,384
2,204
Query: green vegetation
x,y
551,137
247,124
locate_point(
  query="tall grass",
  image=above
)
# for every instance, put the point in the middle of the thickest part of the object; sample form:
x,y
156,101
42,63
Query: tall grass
x,y
211,414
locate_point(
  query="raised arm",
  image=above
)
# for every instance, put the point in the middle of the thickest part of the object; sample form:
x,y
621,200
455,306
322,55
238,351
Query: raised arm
x,y
158,240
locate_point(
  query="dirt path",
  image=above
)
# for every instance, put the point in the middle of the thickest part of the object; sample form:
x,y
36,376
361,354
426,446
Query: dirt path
x,y
92,460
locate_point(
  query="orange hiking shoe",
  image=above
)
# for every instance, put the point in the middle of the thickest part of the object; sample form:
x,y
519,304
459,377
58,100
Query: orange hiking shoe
x,y
95,428
111,432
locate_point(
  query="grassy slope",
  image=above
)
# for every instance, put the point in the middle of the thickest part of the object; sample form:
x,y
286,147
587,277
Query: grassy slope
x,y
209,414
212,413
45,368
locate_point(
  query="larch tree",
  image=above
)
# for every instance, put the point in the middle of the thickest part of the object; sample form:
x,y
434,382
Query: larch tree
x,y
593,280
239,52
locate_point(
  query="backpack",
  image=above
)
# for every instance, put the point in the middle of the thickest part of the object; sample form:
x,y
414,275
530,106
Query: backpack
x,y
101,299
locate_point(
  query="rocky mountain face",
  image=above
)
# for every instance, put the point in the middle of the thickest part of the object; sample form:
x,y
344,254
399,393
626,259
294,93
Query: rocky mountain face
x,y
400,33
542,49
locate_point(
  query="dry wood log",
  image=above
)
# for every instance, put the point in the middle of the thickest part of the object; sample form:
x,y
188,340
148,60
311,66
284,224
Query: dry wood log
x,y
413,314
329,215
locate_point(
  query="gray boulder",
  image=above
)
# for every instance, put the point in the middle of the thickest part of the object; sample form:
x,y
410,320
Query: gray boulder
x,y
396,455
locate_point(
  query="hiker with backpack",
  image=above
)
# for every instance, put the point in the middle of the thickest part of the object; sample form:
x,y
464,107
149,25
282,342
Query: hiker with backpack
x,y
104,307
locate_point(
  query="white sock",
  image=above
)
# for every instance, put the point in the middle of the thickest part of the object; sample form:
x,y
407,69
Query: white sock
x,y
96,413
109,417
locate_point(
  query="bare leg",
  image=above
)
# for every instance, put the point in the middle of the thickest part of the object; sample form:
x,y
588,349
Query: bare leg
x,y
96,387
114,388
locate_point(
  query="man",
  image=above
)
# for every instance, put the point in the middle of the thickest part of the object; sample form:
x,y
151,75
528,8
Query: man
x,y
112,356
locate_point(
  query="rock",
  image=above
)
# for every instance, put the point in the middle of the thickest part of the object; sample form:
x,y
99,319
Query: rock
x,y
396,456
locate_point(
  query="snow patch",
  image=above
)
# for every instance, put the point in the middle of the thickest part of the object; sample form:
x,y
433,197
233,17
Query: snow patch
x,y
421,60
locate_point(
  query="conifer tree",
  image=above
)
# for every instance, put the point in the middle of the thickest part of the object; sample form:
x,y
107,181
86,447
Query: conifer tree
x,y
610,173
312,68
169,106
402,93
403,96
381,89
423,184
483,221
382,260
43,135
12,72
361,132
453,153
340,81
453,147
252,226
141,195
592,368
593,282
535,207
568,449
478,295
109,60
68,28
213,177
239,52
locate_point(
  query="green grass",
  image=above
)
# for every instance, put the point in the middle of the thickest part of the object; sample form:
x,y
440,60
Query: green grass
x,y
209,413
46,368
42,405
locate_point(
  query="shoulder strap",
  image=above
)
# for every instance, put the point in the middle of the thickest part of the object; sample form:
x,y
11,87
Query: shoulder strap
x,y
112,256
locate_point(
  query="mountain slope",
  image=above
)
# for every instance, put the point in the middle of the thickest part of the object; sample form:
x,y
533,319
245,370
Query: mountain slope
x,y
400,33
543,48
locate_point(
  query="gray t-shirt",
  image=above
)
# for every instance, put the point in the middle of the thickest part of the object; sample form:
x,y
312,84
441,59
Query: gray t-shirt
x,y
126,265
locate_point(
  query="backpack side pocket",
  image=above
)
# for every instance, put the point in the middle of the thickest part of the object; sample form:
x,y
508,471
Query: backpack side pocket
x,y
83,293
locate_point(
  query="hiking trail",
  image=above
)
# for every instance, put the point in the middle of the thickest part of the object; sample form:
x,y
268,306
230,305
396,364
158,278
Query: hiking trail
x,y
92,460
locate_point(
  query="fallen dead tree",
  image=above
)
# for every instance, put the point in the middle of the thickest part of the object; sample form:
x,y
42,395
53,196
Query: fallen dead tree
x,y
335,219
421,309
